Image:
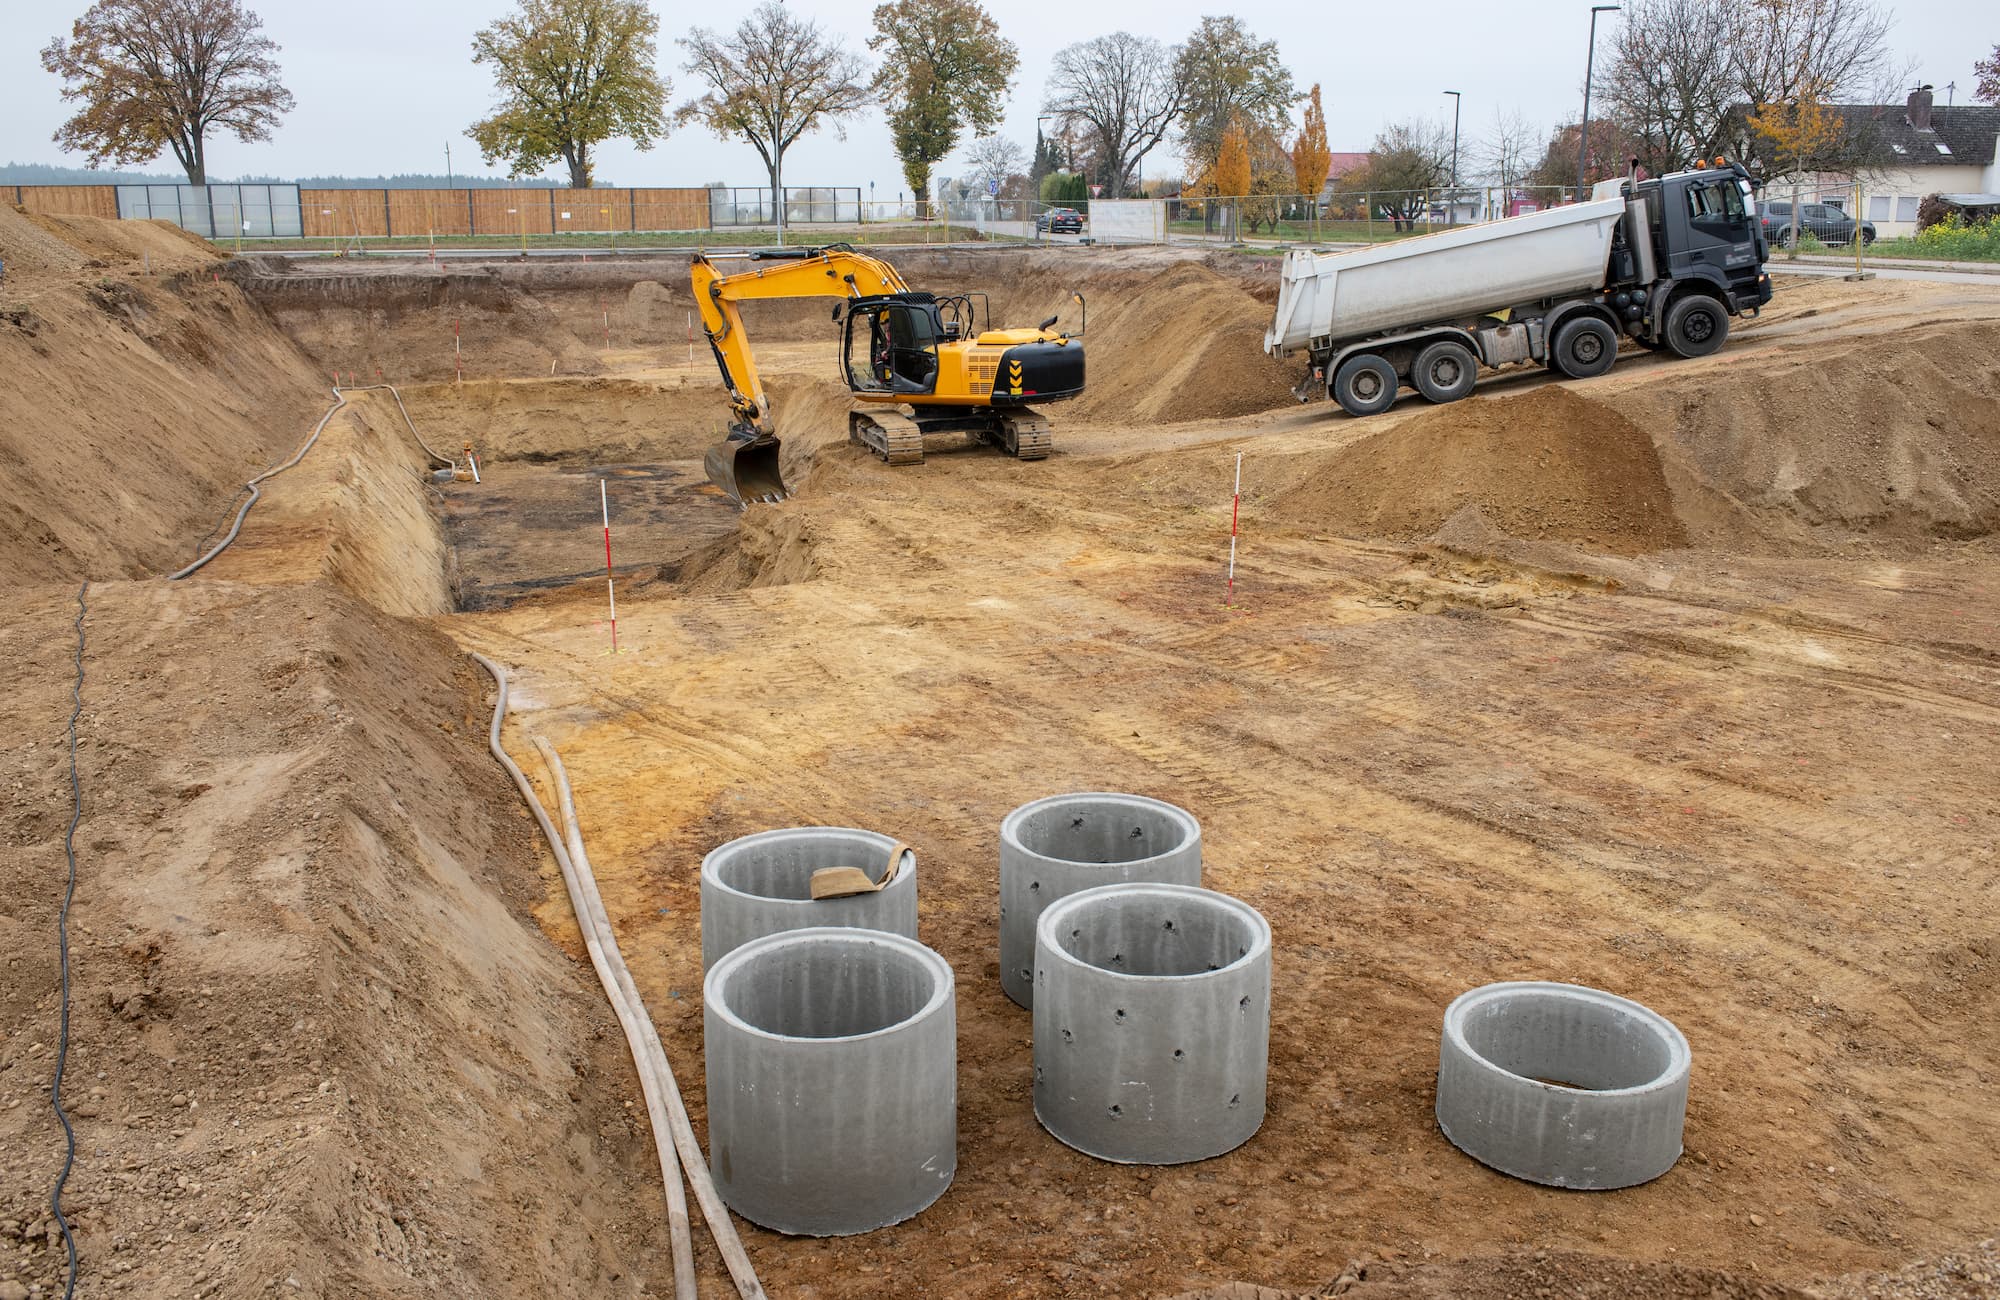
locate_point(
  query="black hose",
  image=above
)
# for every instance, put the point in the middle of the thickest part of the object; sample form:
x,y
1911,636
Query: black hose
x,y
62,947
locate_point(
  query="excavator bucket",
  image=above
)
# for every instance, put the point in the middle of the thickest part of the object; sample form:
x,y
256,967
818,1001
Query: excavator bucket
x,y
747,469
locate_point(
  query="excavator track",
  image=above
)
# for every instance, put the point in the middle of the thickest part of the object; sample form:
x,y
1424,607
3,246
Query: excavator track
x,y
894,438
1026,434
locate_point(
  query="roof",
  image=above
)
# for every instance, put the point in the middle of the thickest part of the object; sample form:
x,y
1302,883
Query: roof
x,y
1966,132
1881,135
1338,165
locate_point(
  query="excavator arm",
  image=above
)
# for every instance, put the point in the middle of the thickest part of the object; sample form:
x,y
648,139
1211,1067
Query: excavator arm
x,y
745,465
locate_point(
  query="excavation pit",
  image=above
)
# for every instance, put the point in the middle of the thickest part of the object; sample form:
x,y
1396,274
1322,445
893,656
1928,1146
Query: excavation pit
x,y
762,884
1152,1022
1055,847
832,1080
1562,1085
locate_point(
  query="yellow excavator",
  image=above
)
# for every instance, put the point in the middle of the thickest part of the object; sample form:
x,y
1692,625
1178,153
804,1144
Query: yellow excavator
x,y
900,348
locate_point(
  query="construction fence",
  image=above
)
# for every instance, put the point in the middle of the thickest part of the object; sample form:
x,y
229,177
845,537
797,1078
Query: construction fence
x,y
276,211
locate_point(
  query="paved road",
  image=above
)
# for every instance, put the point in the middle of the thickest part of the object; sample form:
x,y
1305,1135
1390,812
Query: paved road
x,y
1886,271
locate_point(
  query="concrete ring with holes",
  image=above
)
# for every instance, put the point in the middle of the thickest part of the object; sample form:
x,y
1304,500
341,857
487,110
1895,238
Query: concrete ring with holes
x,y
832,1070
1562,1085
1052,848
1152,1022
762,884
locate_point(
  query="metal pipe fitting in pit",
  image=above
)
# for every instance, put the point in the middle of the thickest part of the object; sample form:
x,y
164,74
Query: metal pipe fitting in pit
x,y
832,1059
762,884
1055,847
1152,1022
1562,1085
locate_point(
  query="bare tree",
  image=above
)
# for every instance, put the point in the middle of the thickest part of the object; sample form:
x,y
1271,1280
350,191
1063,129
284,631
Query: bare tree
x,y
775,78
162,74
1673,78
994,158
1121,93
1789,51
1409,161
1506,152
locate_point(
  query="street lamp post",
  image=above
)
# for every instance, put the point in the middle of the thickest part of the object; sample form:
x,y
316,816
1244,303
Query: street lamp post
x,y
1451,203
1589,64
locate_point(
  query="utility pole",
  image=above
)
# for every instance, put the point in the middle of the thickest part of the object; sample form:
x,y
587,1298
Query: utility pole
x,y
1589,65
447,166
1452,202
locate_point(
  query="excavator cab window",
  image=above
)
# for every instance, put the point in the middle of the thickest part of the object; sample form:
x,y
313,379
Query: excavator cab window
x,y
892,348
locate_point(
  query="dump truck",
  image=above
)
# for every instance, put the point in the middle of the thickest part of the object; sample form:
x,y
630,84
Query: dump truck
x,y
1665,261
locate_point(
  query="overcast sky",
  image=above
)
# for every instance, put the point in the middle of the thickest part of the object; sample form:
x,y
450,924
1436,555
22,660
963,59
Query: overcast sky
x,y
382,85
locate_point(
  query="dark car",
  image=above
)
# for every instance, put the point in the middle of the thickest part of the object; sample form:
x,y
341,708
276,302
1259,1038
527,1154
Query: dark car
x,y
1823,221
1058,221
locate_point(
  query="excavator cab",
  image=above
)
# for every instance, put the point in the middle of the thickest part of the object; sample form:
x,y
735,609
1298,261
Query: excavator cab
x,y
891,344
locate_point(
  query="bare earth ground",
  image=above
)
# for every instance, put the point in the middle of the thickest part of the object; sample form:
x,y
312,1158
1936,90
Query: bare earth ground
x,y
1702,713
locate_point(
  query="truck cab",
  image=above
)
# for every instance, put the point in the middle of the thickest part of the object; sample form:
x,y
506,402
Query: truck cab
x,y
1704,227
1665,262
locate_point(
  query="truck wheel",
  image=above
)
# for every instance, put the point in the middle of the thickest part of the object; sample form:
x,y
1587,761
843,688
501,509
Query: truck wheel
x,y
1585,347
1365,385
1696,326
1445,371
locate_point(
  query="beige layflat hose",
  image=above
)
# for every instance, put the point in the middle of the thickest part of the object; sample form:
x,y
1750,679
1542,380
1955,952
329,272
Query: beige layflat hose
x,y
672,1131
256,490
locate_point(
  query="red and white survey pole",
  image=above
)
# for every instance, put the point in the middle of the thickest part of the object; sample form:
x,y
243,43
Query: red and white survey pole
x,y
610,591
1235,506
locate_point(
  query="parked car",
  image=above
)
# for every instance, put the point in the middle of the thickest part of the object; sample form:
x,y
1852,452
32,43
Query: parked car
x,y
1057,221
1823,221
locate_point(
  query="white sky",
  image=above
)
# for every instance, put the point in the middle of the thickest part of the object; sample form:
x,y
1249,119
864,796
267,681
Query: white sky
x,y
383,84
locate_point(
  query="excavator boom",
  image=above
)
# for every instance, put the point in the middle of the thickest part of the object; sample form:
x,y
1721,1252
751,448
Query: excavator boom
x,y
745,464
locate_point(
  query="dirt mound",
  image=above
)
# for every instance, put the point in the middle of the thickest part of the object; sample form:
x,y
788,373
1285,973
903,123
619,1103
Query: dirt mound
x,y
1544,464
319,1046
161,245
1890,438
132,409
769,549
1185,344
26,248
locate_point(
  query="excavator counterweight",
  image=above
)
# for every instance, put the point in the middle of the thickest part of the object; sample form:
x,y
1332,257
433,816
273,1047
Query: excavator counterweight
x,y
915,363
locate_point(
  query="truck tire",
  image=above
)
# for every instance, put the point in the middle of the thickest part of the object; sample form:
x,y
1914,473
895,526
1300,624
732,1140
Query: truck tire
x,y
1585,347
1695,326
1445,371
1365,384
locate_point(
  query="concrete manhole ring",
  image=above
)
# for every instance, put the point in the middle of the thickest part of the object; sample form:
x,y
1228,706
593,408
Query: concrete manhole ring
x,y
1152,1022
1562,1085
762,884
832,1069
1052,848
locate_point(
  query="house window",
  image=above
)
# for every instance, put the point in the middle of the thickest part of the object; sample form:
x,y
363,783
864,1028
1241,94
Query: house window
x,y
1906,207
1878,207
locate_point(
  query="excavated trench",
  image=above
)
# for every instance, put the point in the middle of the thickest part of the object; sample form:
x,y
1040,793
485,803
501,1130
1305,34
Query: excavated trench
x,y
310,898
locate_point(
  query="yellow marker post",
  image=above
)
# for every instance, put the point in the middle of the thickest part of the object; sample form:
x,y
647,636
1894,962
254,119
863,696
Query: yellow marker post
x,y
1859,274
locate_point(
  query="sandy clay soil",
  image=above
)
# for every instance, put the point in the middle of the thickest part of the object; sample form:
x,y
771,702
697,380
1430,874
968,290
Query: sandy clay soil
x,y
1682,683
